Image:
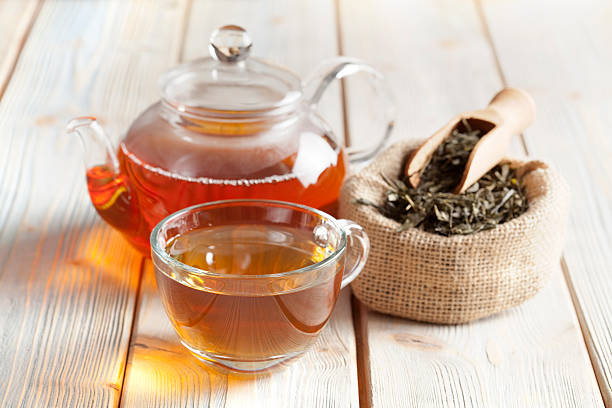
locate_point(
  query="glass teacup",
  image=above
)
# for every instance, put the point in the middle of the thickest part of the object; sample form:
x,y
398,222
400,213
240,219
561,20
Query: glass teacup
x,y
248,284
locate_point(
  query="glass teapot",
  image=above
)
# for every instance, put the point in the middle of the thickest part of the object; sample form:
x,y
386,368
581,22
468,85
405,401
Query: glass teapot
x,y
227,126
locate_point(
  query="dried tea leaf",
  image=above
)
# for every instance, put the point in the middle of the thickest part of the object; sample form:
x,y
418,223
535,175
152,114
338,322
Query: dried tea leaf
x,y
496,198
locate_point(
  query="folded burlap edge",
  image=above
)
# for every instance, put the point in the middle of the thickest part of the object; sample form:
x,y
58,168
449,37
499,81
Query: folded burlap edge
x,y
428,277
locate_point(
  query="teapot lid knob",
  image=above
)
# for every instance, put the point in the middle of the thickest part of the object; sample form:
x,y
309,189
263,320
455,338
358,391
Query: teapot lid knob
x,y
230,43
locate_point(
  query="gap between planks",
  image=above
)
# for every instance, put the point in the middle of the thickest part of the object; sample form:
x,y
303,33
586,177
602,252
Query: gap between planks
x,y
586,337
184,29
143,261
343,100
358,309
21,40
500,71
362,351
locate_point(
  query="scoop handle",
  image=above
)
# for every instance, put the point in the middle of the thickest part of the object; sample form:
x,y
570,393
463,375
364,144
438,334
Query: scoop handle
x,y
512,110
515,108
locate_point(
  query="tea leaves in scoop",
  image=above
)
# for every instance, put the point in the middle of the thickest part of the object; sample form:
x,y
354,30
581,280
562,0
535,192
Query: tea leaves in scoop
x,y
496,198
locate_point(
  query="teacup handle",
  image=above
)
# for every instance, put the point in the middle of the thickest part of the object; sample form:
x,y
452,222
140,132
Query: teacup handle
x,y
340,67
358,247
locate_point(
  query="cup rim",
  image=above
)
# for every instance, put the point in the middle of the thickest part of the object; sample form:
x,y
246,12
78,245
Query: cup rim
x,y
165,257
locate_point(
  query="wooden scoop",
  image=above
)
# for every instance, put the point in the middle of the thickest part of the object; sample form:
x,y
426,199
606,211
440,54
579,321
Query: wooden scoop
x,y
509,113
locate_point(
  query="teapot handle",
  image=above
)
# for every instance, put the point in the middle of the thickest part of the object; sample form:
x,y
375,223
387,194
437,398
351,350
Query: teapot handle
x,y
340,67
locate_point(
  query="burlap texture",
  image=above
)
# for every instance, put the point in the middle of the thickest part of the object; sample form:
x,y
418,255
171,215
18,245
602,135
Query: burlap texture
x,y
432,278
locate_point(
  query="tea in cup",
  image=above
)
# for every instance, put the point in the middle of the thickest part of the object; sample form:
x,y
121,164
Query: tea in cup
x,y
248,284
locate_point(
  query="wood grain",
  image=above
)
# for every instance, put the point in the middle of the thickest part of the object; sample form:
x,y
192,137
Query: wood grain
x,y
440,63
16,19
568,72
160,372
67,283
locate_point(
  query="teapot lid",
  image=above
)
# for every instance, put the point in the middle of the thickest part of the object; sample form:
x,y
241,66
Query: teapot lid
x,y
229,82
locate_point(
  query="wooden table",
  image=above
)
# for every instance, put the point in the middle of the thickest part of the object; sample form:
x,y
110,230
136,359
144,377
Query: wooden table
x,y
81,323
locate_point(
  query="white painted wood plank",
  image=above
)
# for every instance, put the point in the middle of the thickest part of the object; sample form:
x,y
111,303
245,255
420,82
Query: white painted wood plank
x,y
523,357
16,18
67,283
160,372
434,71
564,59
439,63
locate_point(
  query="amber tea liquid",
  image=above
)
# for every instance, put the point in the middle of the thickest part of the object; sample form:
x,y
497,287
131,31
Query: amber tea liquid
x,y
152,194
275,318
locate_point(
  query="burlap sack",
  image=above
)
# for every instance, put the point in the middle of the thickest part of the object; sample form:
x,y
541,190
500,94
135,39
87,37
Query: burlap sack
x,y
432,278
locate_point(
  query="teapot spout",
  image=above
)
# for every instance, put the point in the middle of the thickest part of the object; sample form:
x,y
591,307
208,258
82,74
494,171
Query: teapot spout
x,y
98,149
109,192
